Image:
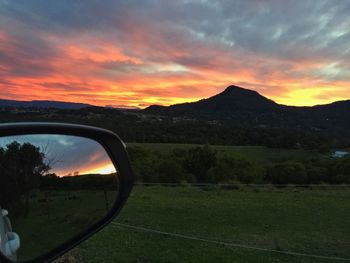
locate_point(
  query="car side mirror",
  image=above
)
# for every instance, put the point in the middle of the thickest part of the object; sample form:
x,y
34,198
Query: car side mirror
x,y
59,184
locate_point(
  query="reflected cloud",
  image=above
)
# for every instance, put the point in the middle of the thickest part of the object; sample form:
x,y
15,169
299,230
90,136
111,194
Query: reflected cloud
x,y
68,155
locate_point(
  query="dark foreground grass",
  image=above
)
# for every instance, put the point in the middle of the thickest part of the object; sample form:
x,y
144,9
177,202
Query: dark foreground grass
x,y
63,215
299,220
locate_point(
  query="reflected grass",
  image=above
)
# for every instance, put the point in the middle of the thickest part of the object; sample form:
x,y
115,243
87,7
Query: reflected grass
x,y
56,216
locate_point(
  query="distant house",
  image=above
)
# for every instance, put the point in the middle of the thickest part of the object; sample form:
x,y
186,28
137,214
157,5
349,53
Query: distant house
x,y
339,154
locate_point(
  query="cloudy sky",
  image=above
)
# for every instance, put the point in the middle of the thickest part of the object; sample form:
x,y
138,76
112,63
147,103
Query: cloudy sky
x,y
137,53
68,154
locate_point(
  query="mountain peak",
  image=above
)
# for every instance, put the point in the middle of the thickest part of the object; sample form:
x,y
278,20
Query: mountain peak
x,y
236,90
240,105
236,98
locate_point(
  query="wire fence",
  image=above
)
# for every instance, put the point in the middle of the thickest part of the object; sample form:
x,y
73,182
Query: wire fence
x,y
226,244
238,185
231,244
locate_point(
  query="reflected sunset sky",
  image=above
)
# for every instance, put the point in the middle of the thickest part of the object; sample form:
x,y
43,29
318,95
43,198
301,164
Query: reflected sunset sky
x,y
67,155
138,53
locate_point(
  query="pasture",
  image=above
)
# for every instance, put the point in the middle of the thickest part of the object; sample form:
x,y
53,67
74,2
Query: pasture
x,y
244,224
250,221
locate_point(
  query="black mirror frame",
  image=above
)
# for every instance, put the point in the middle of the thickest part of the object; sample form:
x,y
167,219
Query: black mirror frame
x,y
114,147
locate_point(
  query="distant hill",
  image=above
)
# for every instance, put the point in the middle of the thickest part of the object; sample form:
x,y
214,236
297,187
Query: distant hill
x,y
235,116
42,104
244,107
231,99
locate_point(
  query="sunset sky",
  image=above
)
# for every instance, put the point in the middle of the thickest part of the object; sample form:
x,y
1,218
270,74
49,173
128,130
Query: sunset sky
x,y
137,53
68,154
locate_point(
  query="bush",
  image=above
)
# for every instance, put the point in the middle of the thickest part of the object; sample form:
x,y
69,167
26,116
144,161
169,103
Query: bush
x,y
252,174
199,160
219,173
233,168
144,163
171,171
289,172
315,174
342,171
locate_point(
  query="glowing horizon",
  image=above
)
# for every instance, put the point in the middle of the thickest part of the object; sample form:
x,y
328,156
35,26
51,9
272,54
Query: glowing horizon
x,y
173,52
102,169
67,154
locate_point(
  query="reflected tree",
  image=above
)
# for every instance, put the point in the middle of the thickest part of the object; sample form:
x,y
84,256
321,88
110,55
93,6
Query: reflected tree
x,y
22,165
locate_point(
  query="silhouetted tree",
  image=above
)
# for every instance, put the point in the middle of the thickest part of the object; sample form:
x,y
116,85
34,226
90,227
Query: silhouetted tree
x,y
22,165
199,160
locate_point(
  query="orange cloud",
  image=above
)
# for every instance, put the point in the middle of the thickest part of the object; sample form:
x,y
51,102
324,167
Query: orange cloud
x,y
91,161
143,63
98,53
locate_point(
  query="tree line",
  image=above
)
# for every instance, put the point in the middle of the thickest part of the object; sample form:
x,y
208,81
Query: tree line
x,y
23,169
80,182
205,165
142,128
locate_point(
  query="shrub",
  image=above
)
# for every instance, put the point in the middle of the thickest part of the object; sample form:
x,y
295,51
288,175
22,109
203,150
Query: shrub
x,y
199,160
289,172
233,168
171,171
342,171
315,174
144,164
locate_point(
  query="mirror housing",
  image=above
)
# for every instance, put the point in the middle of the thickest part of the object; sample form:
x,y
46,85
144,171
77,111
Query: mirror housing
x,y
115,149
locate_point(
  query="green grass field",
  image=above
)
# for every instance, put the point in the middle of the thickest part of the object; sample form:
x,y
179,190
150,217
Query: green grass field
x,y
297,220
249,224
259,154
63,215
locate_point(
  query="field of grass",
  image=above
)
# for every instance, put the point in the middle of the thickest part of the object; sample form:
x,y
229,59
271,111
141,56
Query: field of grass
x,y
296,220
56,216
259,154
191,224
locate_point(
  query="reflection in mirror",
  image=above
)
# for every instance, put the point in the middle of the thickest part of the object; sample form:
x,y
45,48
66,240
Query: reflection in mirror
x,y
52,187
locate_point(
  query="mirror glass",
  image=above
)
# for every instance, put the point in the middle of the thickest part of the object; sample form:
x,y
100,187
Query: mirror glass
x,y
52,187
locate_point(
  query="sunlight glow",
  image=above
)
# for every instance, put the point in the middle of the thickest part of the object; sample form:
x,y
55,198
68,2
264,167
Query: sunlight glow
x,y
138,58
307,97
103,169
